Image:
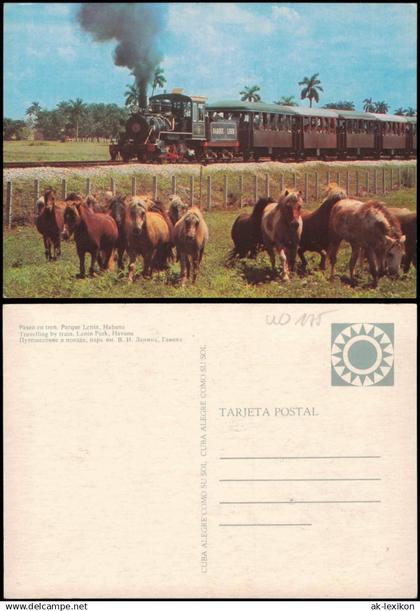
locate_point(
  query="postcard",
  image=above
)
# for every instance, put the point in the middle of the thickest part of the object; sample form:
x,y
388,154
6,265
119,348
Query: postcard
x,y
210,450
237,149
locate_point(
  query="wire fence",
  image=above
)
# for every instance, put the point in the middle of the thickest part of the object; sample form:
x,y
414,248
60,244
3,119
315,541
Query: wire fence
x,y
213,191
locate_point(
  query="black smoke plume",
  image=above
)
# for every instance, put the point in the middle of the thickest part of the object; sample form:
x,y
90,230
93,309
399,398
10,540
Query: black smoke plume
x,y
135,27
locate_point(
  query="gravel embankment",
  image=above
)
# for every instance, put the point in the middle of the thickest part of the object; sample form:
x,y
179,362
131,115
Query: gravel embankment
x,y
169,170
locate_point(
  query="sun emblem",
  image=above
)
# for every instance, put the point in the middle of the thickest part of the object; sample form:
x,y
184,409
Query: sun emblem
x,y
362,355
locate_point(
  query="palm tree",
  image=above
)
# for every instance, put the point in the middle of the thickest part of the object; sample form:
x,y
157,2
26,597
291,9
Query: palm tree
x,y
249,94
159,79
132,96
311,88
410,112
381,107
33,112
286,100
77,108
368,105
399,111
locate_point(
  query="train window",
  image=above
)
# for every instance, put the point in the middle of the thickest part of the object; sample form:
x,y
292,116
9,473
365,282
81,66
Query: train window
x,y
280,122
201,112
257,121
306,124
195,112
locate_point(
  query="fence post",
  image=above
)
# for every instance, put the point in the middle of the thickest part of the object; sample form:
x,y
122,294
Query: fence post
x,y
113,186
316,186
367,182
392,178
37,193
173,185
201,183
225,190
267,185
255,188
281,183
208,192
306,187
294,180
133,185
399,177
241,190
9,202
191,190
64,188
154,187
348,182
375,181
357,183
87,186
383,181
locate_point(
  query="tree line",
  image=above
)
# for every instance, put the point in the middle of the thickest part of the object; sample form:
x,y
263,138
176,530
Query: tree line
x,y
69,119
311,89
76,119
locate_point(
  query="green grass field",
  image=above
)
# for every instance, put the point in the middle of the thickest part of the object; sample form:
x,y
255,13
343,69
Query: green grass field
x,y
26,274
45,150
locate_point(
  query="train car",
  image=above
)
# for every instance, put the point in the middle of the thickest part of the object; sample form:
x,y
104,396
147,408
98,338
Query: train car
x,y
316,131
391,135
411,128
262,129
356,133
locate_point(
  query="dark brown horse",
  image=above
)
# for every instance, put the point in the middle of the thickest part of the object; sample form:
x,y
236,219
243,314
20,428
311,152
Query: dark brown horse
x,y
281,227
315,226
50,222
246,231
94,233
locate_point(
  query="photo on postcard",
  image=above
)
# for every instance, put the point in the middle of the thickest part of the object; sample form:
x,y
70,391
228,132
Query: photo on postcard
x,y
210,150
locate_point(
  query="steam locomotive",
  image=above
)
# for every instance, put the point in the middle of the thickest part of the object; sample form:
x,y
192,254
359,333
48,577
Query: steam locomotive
x,y
176,128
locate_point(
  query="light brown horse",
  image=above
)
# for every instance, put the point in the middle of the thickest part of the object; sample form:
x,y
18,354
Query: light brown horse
x,y
191,236
371,227
94,233
50,222
148,235
281,227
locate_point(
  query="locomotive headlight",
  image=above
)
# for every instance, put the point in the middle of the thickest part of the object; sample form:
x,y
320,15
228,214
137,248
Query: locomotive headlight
x,y
135,128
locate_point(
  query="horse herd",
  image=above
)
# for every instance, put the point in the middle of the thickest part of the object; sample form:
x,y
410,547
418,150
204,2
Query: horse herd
x,y
139,226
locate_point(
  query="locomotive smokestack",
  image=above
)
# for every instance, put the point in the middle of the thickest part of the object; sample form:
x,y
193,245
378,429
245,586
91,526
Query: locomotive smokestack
x,y
142,95
135,26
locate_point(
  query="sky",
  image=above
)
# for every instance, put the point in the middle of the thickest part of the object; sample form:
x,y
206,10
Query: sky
x,y
215,49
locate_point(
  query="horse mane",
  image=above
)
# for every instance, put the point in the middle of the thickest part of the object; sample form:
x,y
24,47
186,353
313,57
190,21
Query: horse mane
x,y
391,221
73,197
334,193
256,216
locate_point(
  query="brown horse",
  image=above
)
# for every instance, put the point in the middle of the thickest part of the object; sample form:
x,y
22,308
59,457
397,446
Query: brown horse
x,y
370,227
315,226
50,222
281,227
246,231
408,222
148,235
94,233
191,236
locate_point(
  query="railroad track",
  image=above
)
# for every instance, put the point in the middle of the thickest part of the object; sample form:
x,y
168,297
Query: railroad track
x,y
58,164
